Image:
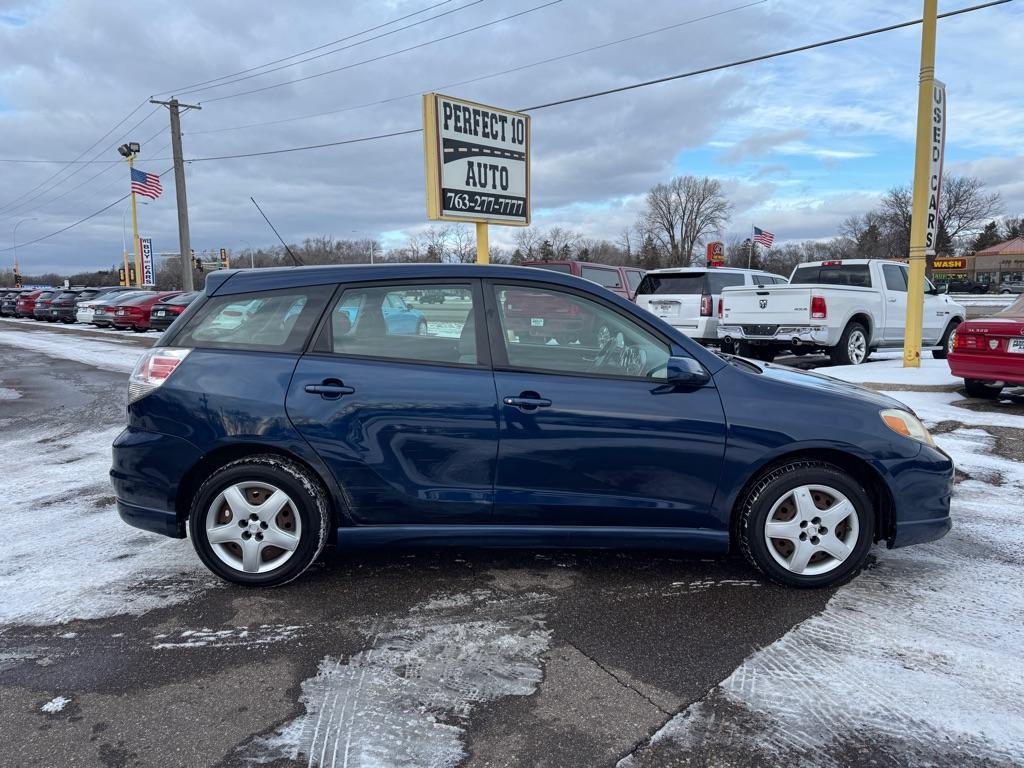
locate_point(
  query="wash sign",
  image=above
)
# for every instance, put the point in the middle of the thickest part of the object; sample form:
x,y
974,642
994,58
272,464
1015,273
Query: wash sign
x,y
937,144
477,162
148,273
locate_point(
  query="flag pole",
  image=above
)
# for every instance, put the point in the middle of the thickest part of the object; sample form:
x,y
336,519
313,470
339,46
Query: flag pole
x,y
135,232
750,250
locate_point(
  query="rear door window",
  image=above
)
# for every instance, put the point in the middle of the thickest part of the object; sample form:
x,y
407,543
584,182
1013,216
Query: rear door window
x,y
609,278
278,321
669,284
719,280
633,278
403,322
895,277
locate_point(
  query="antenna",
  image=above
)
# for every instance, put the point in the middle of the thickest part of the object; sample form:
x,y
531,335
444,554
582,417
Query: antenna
x,y
294,257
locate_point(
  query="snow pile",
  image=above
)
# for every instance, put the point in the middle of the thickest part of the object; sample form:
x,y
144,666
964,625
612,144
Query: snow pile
x,y
404,699
9,394
887,368
55,705
916,662
66,553
107,355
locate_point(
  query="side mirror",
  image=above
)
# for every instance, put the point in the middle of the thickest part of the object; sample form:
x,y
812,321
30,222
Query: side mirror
x,y
944,288
686,372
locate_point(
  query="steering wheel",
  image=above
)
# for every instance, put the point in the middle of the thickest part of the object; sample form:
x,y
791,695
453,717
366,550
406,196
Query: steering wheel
x,y
634,360
610,353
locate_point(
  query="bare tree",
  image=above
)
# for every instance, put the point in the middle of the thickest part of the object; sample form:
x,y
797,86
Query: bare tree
x,y
462,244
528,240
685,212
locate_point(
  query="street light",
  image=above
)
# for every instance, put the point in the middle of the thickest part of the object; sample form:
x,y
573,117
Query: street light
x,y
248,246
14,242
360,232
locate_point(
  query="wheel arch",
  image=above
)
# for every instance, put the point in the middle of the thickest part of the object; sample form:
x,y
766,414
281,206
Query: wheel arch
x,y
864,319
860,469
198,472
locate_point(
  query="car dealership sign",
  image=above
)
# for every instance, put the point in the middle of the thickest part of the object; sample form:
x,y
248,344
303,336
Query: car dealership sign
x,y
477,162
937,143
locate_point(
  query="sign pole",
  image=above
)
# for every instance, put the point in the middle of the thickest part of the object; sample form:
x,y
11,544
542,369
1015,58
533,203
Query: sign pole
x,y
926,191
483,252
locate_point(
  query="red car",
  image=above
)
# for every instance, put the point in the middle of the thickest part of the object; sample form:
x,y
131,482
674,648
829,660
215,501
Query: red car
x,y
620,280
988,353
135,313
26,305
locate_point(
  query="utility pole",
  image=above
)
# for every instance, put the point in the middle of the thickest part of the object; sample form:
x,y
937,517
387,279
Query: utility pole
x,y
919,211
184,241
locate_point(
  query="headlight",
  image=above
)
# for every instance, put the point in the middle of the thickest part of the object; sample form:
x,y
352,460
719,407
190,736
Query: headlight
x,y
906,424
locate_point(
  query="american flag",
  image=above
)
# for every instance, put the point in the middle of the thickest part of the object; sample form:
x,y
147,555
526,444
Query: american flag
x,y
146,184
763,237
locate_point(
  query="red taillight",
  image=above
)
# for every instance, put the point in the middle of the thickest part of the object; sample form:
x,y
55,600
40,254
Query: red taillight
x,y
175,309
964,340
719,307
831,263
705,305
153,369
819,310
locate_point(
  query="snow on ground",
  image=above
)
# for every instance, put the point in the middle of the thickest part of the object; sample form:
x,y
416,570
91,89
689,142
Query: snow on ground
x,y
917,661
405,700
887,368
55,705
66,553
108,355
9,394
74,328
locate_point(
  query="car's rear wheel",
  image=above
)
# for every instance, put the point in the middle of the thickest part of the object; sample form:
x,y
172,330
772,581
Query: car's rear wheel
x,y
853,347
421,328
987,390
946,342
259,521
806,524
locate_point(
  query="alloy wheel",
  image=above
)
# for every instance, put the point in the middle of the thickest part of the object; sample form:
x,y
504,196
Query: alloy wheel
x,y
253,527
811,530
857,347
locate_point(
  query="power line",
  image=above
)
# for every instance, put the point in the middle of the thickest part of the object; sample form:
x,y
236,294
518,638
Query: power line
x,y
384,55
595,94
84,219
643,84
518,68
763,57
332,52
183,89
121,122
10,209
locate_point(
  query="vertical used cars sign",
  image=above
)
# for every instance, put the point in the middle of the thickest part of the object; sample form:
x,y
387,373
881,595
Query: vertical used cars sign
x,y
477,161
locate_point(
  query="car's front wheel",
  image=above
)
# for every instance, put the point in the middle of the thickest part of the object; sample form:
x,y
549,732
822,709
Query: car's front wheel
x,y
806,524
259,521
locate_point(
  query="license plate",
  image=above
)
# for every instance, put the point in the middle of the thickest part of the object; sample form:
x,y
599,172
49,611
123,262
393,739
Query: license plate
x,y
1016,345
537,322
159,313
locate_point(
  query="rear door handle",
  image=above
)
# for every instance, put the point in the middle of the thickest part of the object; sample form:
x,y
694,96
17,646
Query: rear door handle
x,y
329,389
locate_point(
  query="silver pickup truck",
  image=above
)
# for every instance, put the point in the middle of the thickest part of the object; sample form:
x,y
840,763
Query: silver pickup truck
x,y
845,308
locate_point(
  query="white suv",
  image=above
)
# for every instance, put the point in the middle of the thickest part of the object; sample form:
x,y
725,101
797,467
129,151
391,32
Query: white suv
x,y
687,297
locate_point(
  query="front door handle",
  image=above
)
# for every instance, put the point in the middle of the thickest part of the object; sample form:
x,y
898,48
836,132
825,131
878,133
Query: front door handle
x,y
527,401
329,389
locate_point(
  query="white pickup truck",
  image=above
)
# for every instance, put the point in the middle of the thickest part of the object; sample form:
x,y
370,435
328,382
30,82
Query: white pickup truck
x,y
846,308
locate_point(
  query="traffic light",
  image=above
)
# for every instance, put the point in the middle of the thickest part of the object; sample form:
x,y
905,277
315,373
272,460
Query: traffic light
x,y
224,258
198,263
17,279
131,275
121,277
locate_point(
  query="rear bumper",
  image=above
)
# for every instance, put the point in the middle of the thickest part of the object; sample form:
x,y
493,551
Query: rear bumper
x,y
987,368
812,335
146,472
64,313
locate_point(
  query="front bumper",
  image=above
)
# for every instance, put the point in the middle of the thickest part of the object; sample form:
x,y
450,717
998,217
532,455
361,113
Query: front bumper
x,y
811,335
146,473
921,490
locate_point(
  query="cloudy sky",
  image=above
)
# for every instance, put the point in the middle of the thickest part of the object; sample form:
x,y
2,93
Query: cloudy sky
x,y
799,142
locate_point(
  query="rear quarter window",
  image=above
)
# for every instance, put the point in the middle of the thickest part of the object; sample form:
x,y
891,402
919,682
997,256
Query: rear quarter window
x,y
277,321
855,275
609,278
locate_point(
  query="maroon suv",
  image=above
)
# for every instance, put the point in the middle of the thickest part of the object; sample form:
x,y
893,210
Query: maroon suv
x,y
621,280
26,305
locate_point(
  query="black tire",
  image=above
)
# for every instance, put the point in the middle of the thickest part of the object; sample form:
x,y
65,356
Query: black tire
x,y
139,330
982,389
308,499
764,354
728,347
799,351
841,353
943,351
775,485
421,328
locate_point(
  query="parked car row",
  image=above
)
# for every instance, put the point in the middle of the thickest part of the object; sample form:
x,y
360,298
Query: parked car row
x,y
111,306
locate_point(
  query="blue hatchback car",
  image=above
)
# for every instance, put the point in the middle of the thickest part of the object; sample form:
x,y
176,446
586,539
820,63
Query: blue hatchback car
x,y
319,419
